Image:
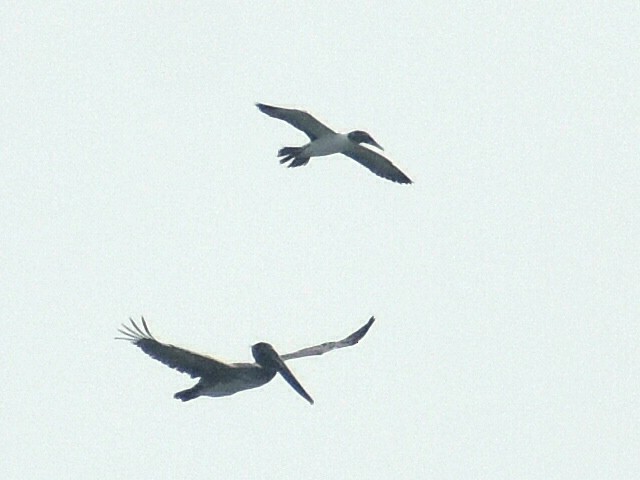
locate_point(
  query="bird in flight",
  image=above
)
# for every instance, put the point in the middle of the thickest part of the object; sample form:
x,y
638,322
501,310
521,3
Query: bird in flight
x,y
218,379
325,141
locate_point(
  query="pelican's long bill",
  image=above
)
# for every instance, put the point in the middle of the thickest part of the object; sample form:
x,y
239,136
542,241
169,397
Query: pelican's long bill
x,y
267,357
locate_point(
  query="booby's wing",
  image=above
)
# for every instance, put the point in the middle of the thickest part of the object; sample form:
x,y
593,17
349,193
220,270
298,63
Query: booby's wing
x,y
352,339
298,119
375,162
182,360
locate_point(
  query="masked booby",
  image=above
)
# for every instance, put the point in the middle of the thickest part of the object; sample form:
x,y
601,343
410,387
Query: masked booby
x,y
325,141
219,379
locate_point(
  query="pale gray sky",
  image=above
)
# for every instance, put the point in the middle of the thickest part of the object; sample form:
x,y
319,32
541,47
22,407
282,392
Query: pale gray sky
x,y
137,177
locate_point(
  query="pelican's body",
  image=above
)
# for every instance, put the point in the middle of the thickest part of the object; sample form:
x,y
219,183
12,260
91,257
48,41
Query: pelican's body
x,y
219,379
242,376
324,141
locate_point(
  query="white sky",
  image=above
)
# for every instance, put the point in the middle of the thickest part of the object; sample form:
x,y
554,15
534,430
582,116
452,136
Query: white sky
x,y
137,177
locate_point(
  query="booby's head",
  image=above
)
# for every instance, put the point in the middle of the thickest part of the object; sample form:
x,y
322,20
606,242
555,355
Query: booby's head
x,y
266,356
358,136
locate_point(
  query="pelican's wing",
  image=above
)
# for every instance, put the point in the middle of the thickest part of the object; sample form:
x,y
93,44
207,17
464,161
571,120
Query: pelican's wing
x,y
298,119
376,163
352,339
182,360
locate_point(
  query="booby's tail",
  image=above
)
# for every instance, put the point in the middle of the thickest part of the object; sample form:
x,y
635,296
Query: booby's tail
x,y
292,153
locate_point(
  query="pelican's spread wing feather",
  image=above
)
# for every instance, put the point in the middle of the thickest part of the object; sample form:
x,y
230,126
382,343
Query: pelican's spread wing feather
x,y
182,360
297,118
375,162
352,339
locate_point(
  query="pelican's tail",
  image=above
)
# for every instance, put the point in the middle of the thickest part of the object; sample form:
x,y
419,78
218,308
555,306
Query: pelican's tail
x,y
188,394
293,153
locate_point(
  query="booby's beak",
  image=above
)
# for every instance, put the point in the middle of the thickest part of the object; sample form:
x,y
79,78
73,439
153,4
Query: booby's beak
x,y
375,144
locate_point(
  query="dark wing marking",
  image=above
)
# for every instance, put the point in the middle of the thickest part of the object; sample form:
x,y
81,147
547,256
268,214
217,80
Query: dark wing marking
x,y
182,360
378,164
352,339
298,119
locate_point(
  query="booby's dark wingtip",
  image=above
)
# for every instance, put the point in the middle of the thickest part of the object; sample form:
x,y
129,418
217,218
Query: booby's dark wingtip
x,y
403,180
263,107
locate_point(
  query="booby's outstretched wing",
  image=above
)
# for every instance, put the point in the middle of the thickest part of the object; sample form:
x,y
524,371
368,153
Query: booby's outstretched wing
x,y
352,339
375,162
297,118
181,359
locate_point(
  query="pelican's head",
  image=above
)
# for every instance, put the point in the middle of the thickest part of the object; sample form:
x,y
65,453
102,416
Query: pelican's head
x,y
266,356
358,136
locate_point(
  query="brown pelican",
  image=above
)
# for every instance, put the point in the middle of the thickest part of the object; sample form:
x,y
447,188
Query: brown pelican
x,y
325,141
218,379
